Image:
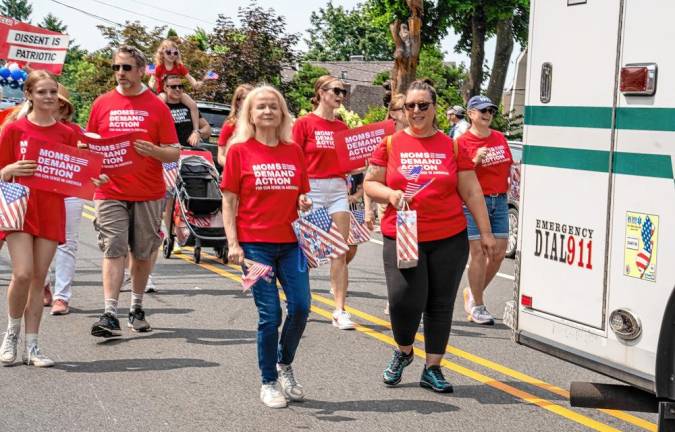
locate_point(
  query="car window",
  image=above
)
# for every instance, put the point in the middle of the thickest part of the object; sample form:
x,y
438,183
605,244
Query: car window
x,y
215,118
516,151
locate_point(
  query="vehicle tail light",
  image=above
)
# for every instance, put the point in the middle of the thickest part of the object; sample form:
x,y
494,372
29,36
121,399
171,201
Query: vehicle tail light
x,y
526,301
638,79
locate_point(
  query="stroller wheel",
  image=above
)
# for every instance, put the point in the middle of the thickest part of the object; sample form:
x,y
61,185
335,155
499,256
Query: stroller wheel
x,y
219,251
198,255
167,247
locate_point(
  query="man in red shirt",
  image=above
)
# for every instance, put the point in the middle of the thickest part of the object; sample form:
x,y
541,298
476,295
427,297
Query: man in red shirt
x,y
129,207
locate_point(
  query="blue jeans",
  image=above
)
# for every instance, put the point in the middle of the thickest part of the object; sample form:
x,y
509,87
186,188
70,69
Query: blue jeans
x,y
283,257
498,212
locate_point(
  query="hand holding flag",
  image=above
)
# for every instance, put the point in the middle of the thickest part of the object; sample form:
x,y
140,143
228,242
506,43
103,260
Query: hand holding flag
x,y
255,271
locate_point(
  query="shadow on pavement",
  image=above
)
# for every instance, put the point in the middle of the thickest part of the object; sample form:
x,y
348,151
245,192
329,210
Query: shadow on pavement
x,y
133,365
213,337
326,410
95,313
352,293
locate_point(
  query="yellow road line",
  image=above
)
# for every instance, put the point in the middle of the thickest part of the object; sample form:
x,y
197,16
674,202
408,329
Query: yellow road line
x,y
484,379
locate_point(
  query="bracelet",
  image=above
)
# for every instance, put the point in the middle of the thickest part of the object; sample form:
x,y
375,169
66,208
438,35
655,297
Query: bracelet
x,y
196,131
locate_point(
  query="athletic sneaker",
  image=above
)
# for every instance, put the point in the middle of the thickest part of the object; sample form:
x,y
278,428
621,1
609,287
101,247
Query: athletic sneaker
x,y
342,320
394,371
8,348
60,307
432,378
469,303
150,287
137,321
289,386
271,396
126,283
33,356
107,326
480,315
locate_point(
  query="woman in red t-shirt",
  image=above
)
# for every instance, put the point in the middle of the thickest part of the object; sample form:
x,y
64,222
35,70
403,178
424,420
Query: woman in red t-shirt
x,y
423,155
230,123
314,133
32,249
492,159
264,184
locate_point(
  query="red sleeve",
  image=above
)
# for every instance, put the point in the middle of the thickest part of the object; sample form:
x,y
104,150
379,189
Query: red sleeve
x,y
299,134
167,135
380,156
7,155
231,181
464,159
226,132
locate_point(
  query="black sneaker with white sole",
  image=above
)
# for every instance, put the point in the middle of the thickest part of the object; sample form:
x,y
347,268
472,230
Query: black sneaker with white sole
x,y
106,327
137,321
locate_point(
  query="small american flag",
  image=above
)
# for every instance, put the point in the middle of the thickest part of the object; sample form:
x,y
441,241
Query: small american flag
x,y
150,69
198,221
644,257
406,239
412,173
413,189
318,238
254,272
13,206
358,231
170,172
211,75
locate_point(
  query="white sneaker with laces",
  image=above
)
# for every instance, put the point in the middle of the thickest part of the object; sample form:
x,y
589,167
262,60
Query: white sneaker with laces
x,y
150,287
343,320
469,303
8,348
289,386
480,315
272,397
33,356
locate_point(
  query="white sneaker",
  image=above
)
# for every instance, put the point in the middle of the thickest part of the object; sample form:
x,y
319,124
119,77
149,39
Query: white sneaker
x,y
33,356
289,386
386,309
469,303
8,348
126,283
272,397
480,315
342,320
150,287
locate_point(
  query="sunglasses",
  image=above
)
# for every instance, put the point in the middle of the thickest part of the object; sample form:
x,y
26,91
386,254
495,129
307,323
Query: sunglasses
x,y
176,87
171,52
491,111
423,106
124,67
337,91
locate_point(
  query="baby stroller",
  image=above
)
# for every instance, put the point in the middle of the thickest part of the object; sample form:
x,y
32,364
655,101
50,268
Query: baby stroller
x,y
197,220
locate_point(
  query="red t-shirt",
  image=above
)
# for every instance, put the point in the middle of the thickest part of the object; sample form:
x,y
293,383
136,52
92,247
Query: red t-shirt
x,y
315,136
494,170
113,113
438,206
161,71
269,181
46,214
226,132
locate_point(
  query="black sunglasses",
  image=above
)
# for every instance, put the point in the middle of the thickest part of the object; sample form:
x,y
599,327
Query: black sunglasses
x,y
176,86
338,91
423,106
171,52
488,110
124,67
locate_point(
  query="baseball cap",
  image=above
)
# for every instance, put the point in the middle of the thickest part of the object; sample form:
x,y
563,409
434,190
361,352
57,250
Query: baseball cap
x,y
480,102
457,110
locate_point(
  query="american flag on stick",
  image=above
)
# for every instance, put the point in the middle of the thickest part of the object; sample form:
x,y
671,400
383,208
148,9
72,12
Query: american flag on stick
x,y
412,173
358,231
413,189
318,237
13,206
170,170
644,257
406,239
254,272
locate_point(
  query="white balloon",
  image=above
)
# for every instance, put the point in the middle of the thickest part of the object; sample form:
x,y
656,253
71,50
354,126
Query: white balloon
x,y
12,66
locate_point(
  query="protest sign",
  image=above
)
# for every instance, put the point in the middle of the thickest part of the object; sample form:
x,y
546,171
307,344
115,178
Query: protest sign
x,y
27,44
119,155
62,169
355,146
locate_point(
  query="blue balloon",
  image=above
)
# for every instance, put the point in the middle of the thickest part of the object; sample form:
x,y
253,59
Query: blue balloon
x,y
4,72
17,74
24,74
14,84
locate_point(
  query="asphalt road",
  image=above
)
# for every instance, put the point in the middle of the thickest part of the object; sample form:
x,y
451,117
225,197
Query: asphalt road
x,y
197,371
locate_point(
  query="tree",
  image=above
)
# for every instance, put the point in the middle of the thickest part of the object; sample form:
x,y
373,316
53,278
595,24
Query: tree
x,y
51,22
337,33
134,34
17,9
254,52
300,90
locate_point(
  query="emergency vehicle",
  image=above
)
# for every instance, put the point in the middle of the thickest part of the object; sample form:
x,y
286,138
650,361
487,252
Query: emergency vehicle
x,y
595,263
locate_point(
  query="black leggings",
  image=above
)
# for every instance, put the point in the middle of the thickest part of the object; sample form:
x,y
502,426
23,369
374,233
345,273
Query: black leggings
x,y
429,289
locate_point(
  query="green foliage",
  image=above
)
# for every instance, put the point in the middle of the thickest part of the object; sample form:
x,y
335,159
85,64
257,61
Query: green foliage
x,y
171,33
337,33
17,9
510,124
375,114
447,79
51,22
435,23
381,77
350,117
300,90
134,34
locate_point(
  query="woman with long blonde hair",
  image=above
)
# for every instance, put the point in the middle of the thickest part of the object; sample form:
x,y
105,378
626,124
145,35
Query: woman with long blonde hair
x,y
264,185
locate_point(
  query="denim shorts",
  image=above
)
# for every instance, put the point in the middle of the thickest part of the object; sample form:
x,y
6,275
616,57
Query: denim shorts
x,y
498,211
330,193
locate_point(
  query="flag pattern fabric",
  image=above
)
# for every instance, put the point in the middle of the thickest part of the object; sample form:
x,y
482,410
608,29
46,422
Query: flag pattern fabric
x,y
412,173
150,69
254,272
644,257
318,238
170,170
211,75
198,221
13,206
407,253
413,189
358,230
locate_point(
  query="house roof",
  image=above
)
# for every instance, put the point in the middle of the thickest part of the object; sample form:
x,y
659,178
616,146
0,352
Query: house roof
x,y
354,71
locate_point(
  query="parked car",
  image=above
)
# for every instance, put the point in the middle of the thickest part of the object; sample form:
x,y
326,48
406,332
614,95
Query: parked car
x,y
10,96
215,114
514,196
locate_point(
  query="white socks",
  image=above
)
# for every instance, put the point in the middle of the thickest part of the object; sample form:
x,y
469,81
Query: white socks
x,y
111,307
